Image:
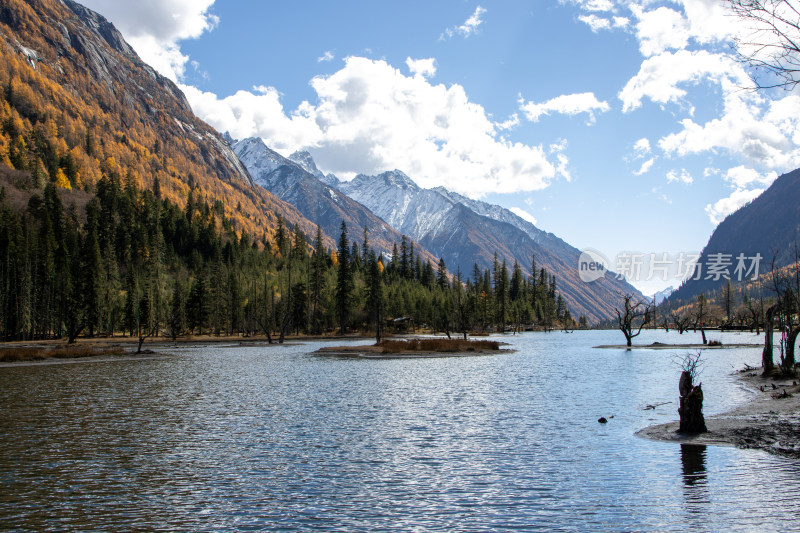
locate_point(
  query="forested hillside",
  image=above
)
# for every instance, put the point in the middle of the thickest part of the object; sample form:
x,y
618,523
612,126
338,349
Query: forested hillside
x,y
763,232
121,213
132,263
76,104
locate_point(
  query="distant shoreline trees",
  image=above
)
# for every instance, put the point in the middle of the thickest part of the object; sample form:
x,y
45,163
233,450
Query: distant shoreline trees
x,y
132,264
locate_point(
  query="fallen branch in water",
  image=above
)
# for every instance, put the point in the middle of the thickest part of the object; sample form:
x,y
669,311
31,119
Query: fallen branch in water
x,y
653,406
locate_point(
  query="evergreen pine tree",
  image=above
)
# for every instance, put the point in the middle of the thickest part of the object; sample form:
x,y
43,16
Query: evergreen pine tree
x,y
441,276
344,281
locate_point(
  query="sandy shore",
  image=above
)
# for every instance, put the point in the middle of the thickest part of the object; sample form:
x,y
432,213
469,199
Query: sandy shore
x,y
771,421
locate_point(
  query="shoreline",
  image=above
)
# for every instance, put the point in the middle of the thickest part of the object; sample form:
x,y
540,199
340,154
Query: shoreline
x,y
663,346
769,421
105,349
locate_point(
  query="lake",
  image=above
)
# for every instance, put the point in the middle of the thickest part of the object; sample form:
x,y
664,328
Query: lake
x,y
233,438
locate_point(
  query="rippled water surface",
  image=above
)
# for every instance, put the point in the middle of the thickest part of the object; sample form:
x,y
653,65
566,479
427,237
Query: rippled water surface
x,y
274,437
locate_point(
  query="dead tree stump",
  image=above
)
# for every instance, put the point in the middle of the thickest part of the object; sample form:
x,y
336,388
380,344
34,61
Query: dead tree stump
x,y
691,406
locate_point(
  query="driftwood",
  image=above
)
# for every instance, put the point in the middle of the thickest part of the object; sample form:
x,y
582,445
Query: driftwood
x,y
654,405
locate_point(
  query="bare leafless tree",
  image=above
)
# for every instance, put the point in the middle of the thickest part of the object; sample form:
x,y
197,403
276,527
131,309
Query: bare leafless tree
x,y
681,321
770,40
783,314
755,309
700,316
632,312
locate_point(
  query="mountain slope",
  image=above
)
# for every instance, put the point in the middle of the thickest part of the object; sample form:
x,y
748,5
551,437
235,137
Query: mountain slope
x,y
769,226
81,103
465,232
322,204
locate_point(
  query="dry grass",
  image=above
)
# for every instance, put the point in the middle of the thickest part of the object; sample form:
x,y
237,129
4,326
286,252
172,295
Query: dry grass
x,y
437,345
8,355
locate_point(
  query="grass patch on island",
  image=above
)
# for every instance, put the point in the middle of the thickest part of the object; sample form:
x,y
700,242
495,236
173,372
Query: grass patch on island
x,y
437,345
10,355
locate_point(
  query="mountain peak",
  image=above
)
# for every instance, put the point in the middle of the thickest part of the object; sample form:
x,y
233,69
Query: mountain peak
x,y
398,178
259,159
304,159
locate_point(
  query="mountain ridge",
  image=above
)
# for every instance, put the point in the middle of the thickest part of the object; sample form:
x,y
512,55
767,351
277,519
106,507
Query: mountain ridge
x,y
292,182
768,226
463,232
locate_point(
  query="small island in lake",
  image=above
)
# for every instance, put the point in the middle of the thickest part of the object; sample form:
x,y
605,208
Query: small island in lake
x,y
417,348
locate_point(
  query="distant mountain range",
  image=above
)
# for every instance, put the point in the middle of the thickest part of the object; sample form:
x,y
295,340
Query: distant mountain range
x,y
769,227
462,231
293,181
661,296
465,232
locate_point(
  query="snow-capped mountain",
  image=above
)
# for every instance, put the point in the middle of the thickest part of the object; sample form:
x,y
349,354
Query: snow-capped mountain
x,y
411,210
501,214
444,224
295,182
660,296
465,232
305,160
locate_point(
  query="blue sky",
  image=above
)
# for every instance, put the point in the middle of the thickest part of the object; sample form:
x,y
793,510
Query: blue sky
x,y
618,126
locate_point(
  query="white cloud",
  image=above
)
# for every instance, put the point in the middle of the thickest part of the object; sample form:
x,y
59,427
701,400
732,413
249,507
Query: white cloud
x,y
595,22
524,215
765,136
724,207
370,117
660,30
511,122
593,5
742,177
469,27
327,56
710,21
684,177
662,78
559,146
421,67
562,168
641,147
154,28
568,104
245,114
621,22
645,167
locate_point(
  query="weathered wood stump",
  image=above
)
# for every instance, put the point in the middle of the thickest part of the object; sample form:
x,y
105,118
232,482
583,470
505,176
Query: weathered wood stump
x,y
691,406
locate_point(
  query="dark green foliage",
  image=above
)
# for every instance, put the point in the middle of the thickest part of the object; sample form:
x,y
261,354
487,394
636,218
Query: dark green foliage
x,y
133,264
344,281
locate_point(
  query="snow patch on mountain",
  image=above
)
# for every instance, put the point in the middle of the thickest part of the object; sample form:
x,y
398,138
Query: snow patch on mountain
x,y
259,160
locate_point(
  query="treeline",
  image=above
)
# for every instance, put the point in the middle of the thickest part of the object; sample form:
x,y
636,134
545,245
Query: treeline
x,y
133,263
